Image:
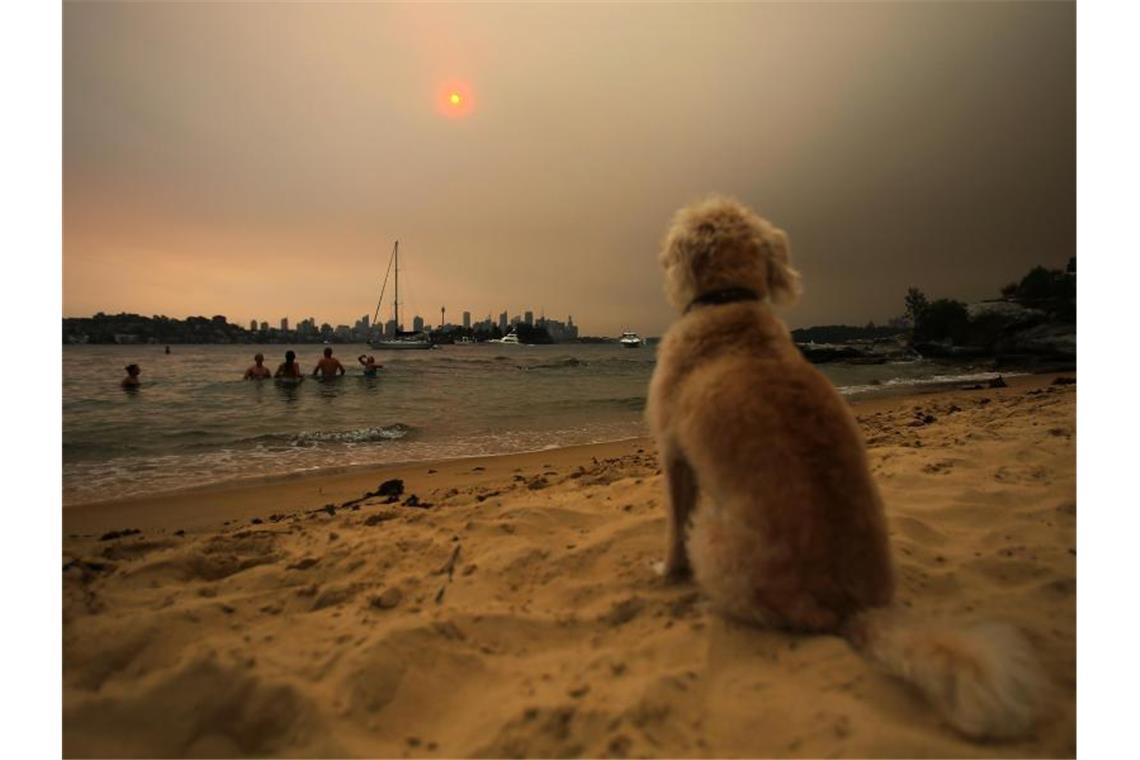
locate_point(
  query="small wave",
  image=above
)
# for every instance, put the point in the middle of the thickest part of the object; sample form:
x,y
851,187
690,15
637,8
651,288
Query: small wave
x,y
360,435
566,361
313,437
897,382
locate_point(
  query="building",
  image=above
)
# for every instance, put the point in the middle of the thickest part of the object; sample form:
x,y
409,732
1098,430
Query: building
x,y
253,325
528,317
418,323
466,320
284,324
265,327
503,322
390,328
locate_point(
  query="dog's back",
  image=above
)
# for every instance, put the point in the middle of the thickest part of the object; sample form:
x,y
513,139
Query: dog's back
x,y
792,532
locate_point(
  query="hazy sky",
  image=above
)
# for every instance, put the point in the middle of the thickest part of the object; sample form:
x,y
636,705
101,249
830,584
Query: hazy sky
x,y
258,159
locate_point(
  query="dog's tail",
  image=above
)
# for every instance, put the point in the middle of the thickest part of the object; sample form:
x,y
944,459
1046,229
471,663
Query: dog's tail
x,y
984,679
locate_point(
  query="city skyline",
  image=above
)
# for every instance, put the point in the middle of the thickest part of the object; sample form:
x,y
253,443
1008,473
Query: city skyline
x,y
251,158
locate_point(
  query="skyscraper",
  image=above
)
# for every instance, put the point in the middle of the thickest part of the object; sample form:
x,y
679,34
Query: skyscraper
x,y
528,317
503,322
253,325
418,323
466,320
284,324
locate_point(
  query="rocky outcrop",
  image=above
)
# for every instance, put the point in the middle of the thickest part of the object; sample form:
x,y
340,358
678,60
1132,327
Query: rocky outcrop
x,y
858,352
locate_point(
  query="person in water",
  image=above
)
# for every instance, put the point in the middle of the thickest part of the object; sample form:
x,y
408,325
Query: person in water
x,y
132,378
369,364
289,368
328,367
258,371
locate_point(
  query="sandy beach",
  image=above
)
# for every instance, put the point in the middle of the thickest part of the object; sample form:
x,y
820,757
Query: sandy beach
x,y
508,606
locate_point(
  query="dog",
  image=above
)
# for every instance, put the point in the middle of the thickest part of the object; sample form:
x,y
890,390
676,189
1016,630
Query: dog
x,y
791,533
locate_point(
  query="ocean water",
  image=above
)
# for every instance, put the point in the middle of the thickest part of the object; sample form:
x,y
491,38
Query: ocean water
x,y
194,421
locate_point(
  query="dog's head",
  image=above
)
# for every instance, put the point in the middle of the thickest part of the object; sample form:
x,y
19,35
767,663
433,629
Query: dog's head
x,y
719,243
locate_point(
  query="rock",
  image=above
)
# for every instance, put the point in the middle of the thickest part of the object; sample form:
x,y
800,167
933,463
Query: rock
x,y
388,598
256,521
1057,341
393,487
380,517
998,382
1064,381
112,535
1003,315
303,564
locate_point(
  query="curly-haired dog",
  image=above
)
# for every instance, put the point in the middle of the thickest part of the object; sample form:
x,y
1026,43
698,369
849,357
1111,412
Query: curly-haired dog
x,y
792,532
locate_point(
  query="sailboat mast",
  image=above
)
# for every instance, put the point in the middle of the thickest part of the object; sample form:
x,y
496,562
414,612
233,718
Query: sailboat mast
x,y
396,294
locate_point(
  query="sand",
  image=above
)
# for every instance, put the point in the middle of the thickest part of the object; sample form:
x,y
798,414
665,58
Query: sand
x,y
515,611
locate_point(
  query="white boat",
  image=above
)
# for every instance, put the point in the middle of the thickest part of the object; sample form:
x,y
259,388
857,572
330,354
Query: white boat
x,y
630,340
403,340
510,339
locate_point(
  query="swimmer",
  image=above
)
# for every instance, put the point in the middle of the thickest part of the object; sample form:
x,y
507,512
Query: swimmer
x,y
328,367
289,369
132,378
258,371
369,364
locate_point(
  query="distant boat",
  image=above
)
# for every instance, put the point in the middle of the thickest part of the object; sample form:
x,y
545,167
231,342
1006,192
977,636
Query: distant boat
x,y
510,339
630,340
403,340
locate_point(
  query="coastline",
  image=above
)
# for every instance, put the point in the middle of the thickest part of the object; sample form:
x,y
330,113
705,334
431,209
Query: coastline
x,y
203,507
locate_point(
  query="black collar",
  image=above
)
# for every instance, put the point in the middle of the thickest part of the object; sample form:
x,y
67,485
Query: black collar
x,y
724,295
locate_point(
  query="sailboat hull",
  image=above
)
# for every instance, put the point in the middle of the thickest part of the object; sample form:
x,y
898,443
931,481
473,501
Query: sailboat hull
x,y
400,345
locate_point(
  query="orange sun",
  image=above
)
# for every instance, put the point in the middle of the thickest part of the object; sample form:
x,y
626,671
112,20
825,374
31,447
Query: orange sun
x,y
454,100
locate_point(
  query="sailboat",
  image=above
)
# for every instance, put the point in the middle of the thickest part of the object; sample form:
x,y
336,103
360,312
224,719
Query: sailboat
x,y
403,340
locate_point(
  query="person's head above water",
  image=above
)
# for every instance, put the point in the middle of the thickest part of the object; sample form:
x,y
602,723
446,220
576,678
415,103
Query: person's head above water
x,y
132,370
259,358
328,352
289,357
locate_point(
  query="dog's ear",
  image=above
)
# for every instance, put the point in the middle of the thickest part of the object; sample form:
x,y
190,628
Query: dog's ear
x,y
783,281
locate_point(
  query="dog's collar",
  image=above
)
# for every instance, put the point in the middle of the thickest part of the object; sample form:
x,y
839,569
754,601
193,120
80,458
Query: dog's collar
x,y
724,295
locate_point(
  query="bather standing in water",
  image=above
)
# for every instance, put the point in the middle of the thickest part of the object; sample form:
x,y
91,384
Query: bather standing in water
x,y
257,371
328,367
289,369
369,364
132,378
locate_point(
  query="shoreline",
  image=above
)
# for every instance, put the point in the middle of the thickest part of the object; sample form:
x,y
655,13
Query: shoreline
x,y
512,608
201,507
